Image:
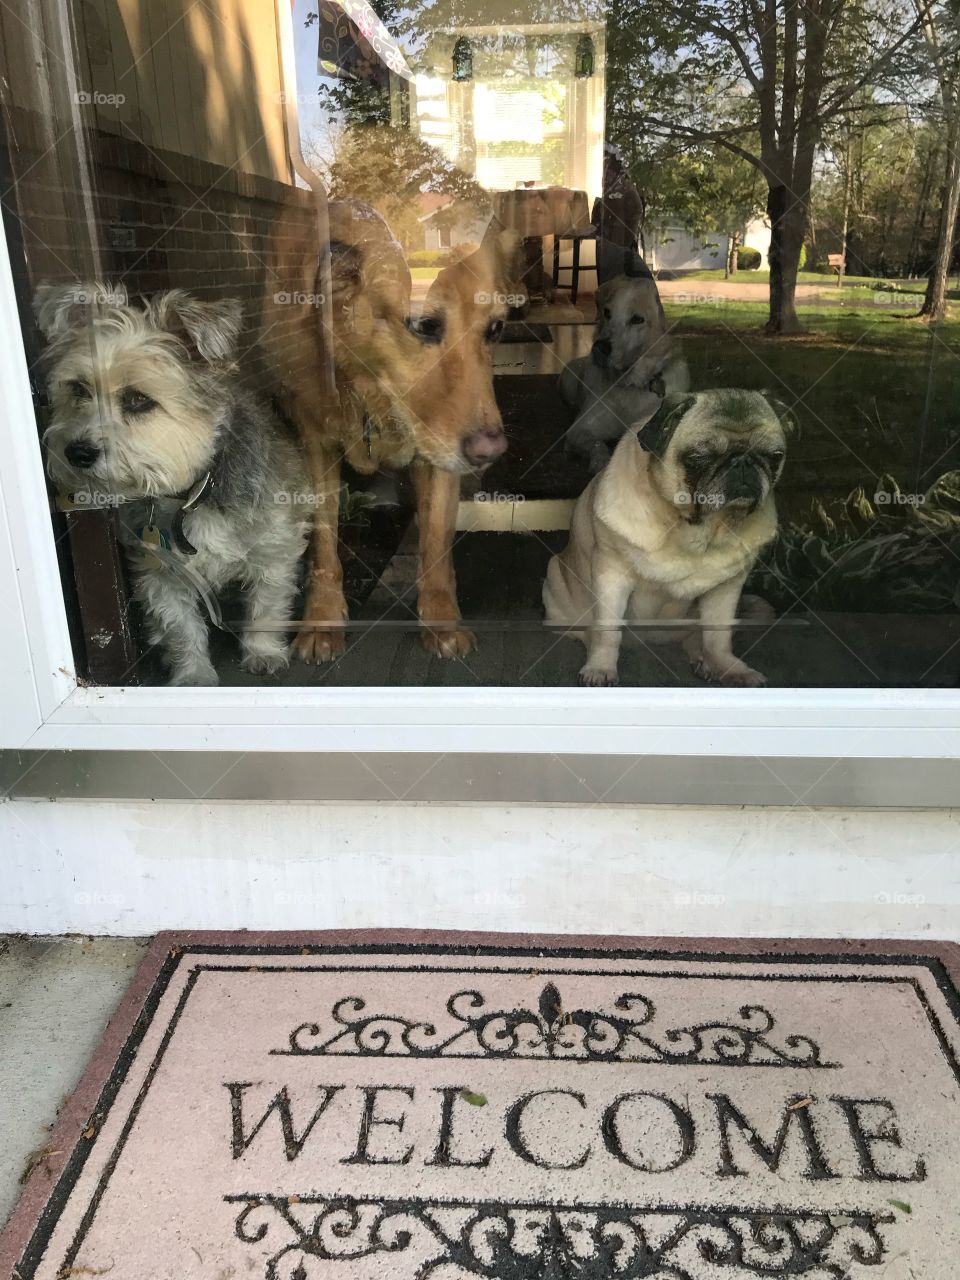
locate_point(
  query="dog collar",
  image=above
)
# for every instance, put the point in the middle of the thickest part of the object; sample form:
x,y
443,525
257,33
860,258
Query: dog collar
x,y
193,499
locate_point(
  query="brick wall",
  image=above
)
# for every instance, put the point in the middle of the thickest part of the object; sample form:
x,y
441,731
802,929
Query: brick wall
x,y
150,218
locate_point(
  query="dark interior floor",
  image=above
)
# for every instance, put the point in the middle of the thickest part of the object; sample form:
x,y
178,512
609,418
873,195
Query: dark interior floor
x,y
499,578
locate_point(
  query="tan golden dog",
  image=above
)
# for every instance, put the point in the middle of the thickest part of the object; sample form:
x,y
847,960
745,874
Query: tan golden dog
x,y
365,379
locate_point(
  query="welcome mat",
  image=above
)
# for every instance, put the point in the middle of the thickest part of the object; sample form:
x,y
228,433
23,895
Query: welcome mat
x,y
335,1108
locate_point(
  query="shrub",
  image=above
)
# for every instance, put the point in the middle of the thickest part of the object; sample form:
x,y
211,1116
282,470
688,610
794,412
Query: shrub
x,y
879,551
748,259
427,257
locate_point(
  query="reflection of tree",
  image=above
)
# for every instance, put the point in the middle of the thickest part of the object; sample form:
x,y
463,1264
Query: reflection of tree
x,y
358,98
391,169
728,71
883,174
941,30
702,187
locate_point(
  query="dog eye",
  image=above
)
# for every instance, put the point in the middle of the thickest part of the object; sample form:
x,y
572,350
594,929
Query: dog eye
x,y
637,320
606,313
494,330
78,390
426,328
134,401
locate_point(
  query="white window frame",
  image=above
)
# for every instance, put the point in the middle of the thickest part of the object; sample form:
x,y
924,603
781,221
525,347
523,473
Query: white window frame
x,y
44,706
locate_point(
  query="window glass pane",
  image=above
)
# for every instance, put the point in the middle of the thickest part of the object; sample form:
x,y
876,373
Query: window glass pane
x,y
475,343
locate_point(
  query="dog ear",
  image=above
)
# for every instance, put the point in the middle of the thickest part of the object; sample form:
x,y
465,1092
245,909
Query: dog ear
x,y
342,266
207,329
788,419
655,435
58,307
636,269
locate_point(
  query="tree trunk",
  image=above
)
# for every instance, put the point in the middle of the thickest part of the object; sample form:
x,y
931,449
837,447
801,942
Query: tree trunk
x,y
733,250
788,220
935,301
847,192
913,253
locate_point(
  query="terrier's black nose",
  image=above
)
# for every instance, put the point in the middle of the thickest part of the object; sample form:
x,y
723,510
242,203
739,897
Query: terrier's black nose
x,y
81,454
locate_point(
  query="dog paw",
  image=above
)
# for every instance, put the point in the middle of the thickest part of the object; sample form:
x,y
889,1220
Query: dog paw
x,y
737,675
747,679
314,647
265,664
597,677
449,644
195,677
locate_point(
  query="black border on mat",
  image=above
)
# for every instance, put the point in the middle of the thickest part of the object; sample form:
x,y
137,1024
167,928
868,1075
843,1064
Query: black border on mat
x,y
39,1239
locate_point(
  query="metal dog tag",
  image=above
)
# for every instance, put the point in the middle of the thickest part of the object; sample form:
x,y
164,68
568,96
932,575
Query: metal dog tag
x,y
152,540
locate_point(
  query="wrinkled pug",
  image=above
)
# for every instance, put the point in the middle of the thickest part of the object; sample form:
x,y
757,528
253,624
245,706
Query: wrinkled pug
x,y
670,529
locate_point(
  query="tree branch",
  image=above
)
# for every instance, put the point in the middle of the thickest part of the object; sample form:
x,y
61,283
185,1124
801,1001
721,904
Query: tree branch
x,y
839,99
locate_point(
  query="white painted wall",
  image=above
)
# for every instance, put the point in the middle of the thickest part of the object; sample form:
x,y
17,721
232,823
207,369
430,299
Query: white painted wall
x,y
133,868
757,236
676,249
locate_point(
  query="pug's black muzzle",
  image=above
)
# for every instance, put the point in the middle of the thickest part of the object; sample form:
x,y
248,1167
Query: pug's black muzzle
x,y
742,483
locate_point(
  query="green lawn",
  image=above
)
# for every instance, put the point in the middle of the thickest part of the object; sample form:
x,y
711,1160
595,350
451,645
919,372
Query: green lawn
x,y
882,323
809,277
865,381
859,289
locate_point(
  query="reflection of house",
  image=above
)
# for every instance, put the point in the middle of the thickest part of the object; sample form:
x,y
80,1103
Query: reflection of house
x,y
178,116
524,102
674,248
150,148
447,223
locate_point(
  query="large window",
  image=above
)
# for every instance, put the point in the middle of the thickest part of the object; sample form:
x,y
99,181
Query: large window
x,y
472,344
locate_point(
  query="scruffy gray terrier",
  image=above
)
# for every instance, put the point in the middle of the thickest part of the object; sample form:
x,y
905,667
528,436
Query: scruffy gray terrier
x,y
149,416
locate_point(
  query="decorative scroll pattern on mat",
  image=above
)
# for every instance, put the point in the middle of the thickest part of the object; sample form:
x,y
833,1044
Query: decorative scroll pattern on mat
x,y
553,1031
515,1242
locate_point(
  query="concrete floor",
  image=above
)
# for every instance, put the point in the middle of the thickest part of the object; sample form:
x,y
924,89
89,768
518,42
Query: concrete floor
x,y
56,997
